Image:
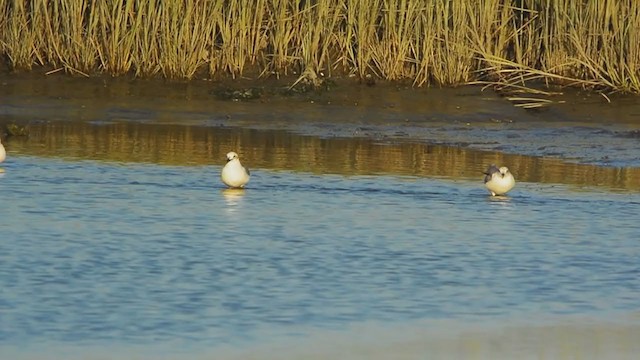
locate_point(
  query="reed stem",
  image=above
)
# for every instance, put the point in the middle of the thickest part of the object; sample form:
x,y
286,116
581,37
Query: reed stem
x,y
593,44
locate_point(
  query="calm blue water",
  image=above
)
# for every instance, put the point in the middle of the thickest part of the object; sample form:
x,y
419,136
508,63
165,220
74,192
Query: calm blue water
x,y
132,254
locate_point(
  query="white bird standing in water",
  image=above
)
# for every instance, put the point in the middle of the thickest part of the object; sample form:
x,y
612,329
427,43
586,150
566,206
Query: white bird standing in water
x,y
234,175
498,180
3,152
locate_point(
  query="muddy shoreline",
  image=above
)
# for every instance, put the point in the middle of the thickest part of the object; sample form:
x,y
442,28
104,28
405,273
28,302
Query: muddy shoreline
x,y
581,127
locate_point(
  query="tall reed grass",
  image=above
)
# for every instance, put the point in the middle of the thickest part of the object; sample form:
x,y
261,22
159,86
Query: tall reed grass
x,y
508,43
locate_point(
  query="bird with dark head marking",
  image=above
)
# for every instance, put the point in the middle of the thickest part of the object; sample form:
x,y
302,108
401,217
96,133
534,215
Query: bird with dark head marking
x,y
498,180
234,175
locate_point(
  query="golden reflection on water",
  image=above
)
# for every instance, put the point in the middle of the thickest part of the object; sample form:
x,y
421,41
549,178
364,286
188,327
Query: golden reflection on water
x,y
281,150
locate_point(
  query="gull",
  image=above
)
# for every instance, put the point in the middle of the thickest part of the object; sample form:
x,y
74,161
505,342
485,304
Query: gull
x,y
498,180
3,152
234,175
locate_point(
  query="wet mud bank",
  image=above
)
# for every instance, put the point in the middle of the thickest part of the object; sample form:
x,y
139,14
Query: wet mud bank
x,y
580,129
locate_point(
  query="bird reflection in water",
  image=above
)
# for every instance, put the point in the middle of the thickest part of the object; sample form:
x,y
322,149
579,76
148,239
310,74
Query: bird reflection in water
x,y
233,198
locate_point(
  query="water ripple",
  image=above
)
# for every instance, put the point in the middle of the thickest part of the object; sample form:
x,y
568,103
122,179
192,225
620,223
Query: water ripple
x,y
132,254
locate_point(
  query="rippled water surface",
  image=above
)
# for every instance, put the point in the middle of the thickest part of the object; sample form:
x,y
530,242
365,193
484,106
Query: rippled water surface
x,y
129,254
118,239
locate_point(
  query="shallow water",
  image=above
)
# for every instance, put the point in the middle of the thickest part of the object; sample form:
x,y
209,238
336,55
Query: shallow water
x,y
124,254
119,241
197,145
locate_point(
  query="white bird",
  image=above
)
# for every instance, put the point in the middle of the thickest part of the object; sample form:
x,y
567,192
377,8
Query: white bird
x,y
3,152
234,175
498,180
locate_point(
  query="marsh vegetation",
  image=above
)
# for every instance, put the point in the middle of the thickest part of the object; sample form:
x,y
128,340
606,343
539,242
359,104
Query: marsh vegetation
x,y
504,43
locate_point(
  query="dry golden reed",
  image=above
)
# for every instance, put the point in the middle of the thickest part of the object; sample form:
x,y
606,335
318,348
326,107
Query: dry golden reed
x,y
508,43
